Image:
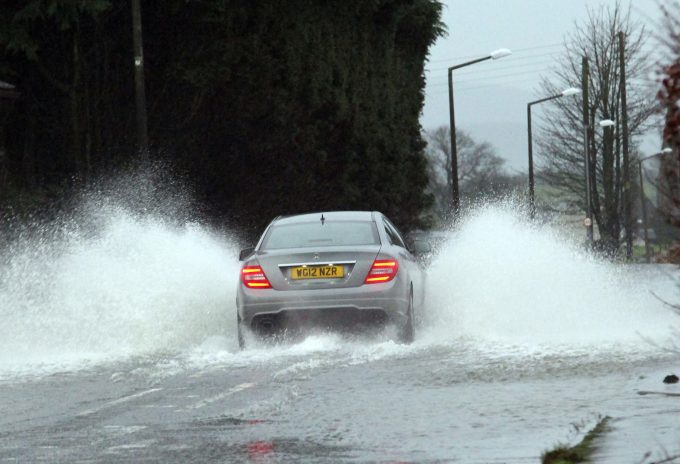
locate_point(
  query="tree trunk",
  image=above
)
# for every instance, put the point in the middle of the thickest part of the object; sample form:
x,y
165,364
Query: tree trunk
x,y
76,144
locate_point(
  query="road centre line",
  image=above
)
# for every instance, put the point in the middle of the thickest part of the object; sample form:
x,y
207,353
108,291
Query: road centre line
x,y
221,396
124,399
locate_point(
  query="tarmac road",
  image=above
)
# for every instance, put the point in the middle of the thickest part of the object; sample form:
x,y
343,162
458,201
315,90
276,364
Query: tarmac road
x,y
324,400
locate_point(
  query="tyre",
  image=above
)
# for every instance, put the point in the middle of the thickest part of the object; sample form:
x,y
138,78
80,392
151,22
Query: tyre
x,y
239,329
407,333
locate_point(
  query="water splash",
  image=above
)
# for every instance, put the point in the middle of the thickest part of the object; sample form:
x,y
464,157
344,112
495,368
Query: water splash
x,y
125,273
501,279
131,272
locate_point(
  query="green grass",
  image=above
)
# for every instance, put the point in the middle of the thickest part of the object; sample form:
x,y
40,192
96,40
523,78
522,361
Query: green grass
x,y
581,452
639,250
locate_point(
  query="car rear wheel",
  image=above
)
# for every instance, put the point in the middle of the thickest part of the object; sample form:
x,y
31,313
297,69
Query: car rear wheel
x,y
239,329
407,333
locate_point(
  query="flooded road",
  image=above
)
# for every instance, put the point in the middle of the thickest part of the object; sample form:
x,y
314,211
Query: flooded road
x,y
327,400
120,346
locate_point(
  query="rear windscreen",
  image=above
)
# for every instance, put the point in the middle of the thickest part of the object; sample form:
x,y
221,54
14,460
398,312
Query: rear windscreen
x,y
314,234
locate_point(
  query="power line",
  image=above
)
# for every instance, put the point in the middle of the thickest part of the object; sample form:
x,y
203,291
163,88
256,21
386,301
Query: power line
x,y
529,68
514,58
498,76
488,85
533,69
496,68
530,60
653,22
464,57
531,64
647,48
479,87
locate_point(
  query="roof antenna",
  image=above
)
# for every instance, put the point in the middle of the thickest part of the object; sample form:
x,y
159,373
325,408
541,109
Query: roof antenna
x,y
323,219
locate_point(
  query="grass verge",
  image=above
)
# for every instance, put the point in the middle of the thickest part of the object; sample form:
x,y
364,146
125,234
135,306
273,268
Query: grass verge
x,y
579,453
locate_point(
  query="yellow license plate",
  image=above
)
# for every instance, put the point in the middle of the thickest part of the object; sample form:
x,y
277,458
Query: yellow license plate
x,y
317,272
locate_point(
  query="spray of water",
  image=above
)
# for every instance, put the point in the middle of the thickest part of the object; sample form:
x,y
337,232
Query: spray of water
x,y
500,279
130,271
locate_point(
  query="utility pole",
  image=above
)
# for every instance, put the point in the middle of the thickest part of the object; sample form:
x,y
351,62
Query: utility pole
x,y
140,96
624,145
585,73
455,192
644,213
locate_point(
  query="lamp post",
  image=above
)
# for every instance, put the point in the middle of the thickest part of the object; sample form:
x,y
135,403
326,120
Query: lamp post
x,y
455,194
565,93
643,206
589,188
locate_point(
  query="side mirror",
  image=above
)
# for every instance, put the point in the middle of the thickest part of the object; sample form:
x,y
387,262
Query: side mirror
x,y
244,254
422,247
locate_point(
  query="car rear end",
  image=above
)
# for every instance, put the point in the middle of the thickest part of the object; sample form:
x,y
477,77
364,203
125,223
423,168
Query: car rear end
x,y
330,271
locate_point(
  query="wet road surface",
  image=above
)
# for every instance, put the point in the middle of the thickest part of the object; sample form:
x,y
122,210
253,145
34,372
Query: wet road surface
x,y
120,346
322,401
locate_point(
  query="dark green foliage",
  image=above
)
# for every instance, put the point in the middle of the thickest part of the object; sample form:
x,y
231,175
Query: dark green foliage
x,y
75,110
270,107
580,452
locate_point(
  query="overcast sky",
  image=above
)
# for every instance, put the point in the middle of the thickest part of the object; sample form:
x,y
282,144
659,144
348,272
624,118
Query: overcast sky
x,y
491,97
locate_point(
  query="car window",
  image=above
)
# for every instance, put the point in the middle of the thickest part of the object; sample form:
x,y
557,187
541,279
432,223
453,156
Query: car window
x,y
393,235
314,234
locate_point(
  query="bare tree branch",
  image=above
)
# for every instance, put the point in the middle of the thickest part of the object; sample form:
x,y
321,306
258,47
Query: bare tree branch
x,y
481,171
560,158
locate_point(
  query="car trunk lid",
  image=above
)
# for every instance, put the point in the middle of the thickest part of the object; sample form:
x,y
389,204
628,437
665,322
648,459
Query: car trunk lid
x,y
332,267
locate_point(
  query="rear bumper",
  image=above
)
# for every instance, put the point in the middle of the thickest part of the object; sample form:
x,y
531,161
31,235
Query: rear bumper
x,y
365,302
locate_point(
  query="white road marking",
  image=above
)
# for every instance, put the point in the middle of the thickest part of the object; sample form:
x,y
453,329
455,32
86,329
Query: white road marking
x,y
221,396
124,399
298,368
123,429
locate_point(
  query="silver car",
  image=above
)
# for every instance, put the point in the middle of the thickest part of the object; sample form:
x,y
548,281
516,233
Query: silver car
x,y
329,270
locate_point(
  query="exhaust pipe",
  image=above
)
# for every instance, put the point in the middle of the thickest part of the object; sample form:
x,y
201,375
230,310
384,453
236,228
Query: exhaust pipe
x,y
266,324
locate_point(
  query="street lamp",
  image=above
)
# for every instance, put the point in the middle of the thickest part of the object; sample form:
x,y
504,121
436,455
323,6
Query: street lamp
x,y
565,93
665,151
455,196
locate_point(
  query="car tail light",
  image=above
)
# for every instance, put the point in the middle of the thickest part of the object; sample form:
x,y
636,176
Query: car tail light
x,y
383,270
254,277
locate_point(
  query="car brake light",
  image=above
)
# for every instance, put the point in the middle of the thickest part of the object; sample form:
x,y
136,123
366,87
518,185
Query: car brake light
x,y
383,270
254,277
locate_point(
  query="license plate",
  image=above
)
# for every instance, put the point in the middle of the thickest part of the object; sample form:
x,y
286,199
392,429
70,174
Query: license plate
x,y
317,272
